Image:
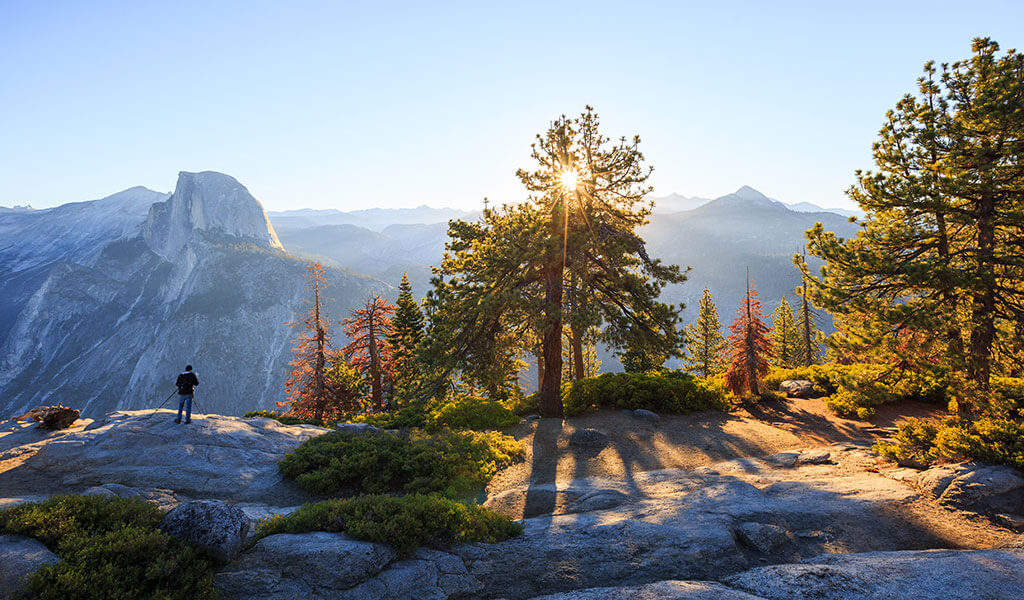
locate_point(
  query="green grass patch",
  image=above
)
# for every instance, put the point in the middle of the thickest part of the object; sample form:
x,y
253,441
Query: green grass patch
x,y
673,392
110,549
453,463
403,522
269,414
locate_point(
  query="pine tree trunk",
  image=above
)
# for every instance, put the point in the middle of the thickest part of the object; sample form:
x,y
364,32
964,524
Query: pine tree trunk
x,y
321,358
805,317
983,311
375,388
540,369
551,384
578,367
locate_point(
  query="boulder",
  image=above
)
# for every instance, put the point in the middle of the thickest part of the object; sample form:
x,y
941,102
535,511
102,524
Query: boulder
x,y
922,575
646,415
661,590
216,527
987,488
786,460
814,457
588,439
308,565
19,557
798,388
763,537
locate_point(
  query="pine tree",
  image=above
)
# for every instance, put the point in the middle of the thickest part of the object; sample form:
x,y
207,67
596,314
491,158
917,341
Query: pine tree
x,y
406,335
748,347
370,351
509,272
704,339
940,255
312,392
807,322
787,348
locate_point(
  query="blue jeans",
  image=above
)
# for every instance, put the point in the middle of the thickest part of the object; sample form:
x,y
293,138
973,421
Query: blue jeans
x,y
185,402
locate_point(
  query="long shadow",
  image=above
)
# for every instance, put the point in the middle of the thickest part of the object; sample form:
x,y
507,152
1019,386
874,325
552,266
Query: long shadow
x,y
543,468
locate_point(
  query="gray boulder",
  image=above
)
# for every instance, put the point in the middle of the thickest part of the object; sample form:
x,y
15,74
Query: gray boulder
x,y
19,557
646,415
798,388
763,537
308,565
922,575
976,486
588,439
218,528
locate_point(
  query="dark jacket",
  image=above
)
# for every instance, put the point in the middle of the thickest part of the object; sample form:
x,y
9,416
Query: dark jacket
x,y
187,381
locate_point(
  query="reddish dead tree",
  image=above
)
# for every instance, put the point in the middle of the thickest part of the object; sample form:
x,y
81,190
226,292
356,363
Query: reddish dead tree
x,y
370,351
748,346
308,391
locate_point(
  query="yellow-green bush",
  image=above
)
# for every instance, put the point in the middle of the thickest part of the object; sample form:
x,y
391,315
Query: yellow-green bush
x,y
407,417
992,439
453,463
673,392
404,522
470,412
110,548
269,414
825,377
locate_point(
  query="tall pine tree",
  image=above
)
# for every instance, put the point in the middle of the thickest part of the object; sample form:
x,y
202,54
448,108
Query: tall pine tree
x,y
749,348
704,340
940,256
787,347
406,335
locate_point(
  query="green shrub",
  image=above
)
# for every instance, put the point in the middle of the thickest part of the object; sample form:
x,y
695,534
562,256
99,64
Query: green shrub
x,y
110,548
407,417
403,522
452,463
1007,396
660,391
523,405
470,412
991,439
283,419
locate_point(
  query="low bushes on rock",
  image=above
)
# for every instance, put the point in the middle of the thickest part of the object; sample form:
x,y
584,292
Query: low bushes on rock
x,y
662,392
407,417
452,463
110,548
285,420
990,439
404,522
470,412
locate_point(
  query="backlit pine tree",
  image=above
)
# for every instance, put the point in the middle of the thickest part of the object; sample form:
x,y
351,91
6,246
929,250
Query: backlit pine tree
x,y
370,351
787,347
748,347
704,339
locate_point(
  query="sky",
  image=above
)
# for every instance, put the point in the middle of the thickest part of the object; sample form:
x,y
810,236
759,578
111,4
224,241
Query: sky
x,y
386,104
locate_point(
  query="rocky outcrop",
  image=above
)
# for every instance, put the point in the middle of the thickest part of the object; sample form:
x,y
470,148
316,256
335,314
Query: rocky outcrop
x,y
661,590
979,487
19,557
207,202
215,457
923,575
217,528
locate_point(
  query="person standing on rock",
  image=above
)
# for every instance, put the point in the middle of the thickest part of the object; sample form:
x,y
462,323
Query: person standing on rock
x,y
187,381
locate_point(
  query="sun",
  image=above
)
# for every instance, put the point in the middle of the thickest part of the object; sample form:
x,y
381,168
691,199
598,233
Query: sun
x,y
569,178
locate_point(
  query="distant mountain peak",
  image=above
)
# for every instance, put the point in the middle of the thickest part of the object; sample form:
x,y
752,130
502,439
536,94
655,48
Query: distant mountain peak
x,y
207,201
748,193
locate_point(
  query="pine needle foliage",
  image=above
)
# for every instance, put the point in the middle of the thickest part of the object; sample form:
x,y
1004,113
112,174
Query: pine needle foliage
x,y
406,334
748,346
704,340
787,347
369,352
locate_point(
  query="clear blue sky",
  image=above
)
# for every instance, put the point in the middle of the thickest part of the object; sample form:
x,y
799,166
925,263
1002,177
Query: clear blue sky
x,y
352,105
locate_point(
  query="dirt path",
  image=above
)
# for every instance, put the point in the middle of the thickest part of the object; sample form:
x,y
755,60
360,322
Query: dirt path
x,y
686,441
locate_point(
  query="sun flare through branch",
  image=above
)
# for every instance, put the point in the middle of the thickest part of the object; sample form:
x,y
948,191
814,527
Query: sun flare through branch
x,y
569,178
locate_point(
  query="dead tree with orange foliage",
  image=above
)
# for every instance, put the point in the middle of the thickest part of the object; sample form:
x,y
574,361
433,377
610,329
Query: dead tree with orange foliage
x,y
312,394
370,350
748,346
